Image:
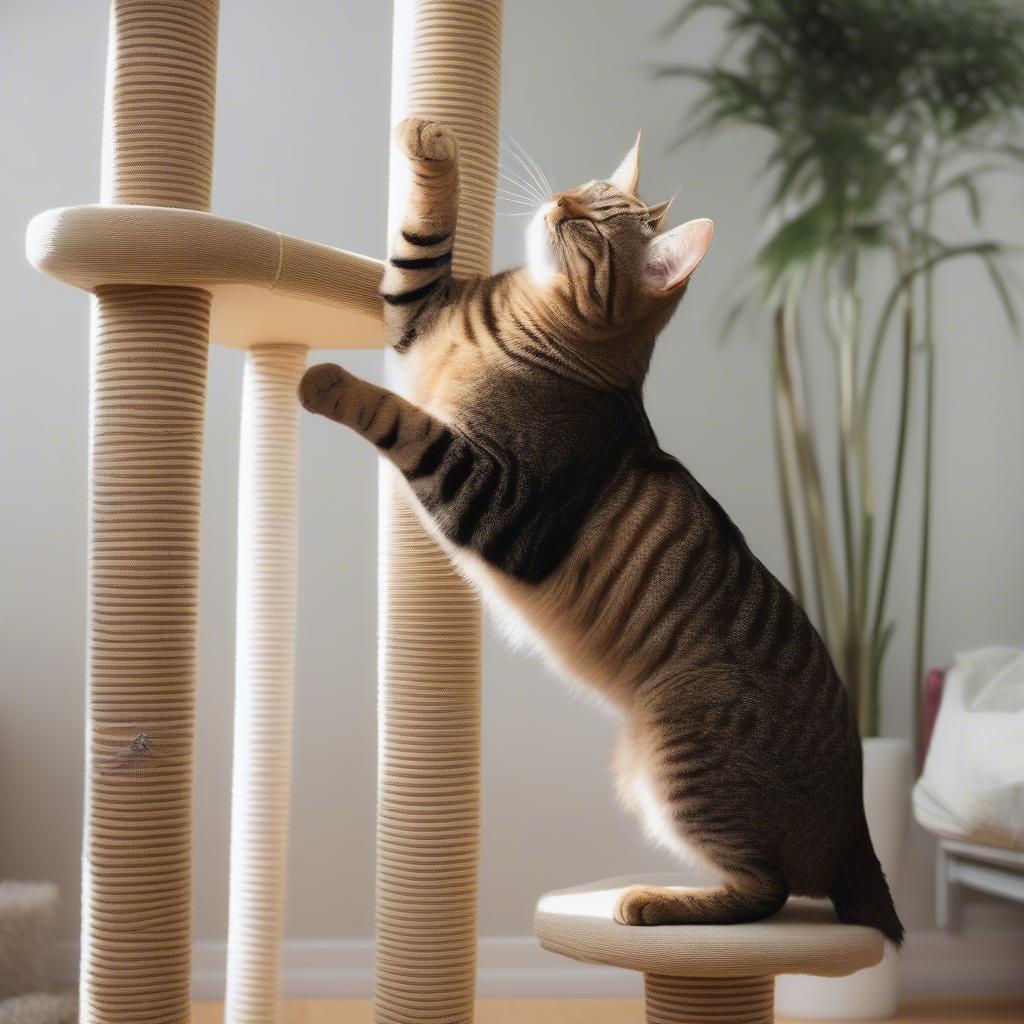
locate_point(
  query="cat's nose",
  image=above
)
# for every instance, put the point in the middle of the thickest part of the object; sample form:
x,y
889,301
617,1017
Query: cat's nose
x,y
567,206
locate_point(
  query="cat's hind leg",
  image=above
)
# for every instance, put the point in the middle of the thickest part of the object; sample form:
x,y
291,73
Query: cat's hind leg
x,y
704,818
418,273
744,897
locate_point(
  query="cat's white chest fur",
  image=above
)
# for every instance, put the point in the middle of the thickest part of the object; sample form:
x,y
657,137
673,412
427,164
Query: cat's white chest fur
x,y
638,793
540,260
508,608
515,625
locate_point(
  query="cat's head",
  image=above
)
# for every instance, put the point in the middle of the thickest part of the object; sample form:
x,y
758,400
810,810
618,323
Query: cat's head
x,y
604,250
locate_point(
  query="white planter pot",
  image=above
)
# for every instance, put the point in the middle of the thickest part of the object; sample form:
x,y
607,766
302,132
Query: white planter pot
x,y
870,994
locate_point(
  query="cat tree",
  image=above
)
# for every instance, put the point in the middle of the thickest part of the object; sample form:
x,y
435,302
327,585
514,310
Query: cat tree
x,y
167,278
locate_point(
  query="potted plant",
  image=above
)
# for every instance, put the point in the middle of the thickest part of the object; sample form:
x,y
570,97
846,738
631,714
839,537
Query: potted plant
x,y
879,116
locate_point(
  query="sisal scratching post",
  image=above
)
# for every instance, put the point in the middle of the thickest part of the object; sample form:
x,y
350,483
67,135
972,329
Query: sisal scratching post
x,y
446,66
709,1000
264,685
147,388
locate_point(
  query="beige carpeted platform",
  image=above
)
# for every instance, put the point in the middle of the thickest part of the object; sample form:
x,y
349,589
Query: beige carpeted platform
x,y
703,974
803,938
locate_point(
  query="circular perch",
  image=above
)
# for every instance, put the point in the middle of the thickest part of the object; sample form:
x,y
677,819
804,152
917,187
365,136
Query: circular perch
x,y
706,973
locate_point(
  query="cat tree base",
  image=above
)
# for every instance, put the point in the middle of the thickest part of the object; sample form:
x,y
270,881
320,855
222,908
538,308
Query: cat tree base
x,y
704,974
709,1000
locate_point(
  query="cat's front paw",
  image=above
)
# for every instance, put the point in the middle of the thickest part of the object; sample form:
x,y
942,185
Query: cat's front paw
x,y
420,139
642,904
322,386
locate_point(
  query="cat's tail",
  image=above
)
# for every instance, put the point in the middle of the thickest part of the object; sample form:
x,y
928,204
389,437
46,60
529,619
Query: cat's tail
x,y
860,893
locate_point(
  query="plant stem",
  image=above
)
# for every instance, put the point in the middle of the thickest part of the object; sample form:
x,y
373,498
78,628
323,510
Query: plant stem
x,y
907,351
867,512
899,288
857,443
926,517
866,493
788,395
824,576
841,327
924,555
844,423
782,433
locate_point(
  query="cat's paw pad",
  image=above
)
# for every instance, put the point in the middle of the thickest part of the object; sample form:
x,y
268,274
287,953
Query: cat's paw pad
x,y
321,385
640,905
420,139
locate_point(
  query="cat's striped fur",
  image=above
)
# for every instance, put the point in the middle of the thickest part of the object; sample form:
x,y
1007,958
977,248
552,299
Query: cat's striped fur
x,y
524,440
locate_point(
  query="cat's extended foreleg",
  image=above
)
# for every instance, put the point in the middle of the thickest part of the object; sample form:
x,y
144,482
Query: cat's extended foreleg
x,y
417,279
452,477
407,435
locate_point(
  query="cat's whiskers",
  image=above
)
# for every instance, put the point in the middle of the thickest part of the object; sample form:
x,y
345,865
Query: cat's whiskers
x,y
533,182
513,197
522,186
516,151
519,193
534,178
530,165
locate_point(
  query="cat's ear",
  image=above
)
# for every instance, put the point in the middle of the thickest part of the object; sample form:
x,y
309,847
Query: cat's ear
x,y
656,214
675,255
627,174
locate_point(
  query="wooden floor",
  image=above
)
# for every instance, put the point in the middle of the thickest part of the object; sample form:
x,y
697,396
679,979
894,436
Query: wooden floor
x,y
614,1011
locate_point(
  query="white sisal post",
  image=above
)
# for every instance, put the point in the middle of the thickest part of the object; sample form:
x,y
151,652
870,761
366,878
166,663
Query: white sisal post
x,y
264,680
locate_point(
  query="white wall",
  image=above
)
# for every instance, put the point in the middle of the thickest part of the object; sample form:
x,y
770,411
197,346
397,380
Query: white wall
x,y
301,144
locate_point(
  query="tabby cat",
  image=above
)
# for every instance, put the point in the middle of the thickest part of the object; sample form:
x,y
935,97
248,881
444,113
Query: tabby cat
x,y
524,441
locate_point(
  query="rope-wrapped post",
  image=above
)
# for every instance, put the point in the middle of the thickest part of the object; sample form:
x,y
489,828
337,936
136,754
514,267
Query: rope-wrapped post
x,y
264,680
709,1000
147,391
446,66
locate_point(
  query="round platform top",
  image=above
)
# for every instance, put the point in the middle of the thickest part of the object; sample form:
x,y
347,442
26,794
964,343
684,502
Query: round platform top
x,y
266,287
803,938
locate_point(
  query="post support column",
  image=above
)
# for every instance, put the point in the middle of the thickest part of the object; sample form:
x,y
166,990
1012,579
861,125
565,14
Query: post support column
x,y
709,1000
446,66
268,503
147,396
